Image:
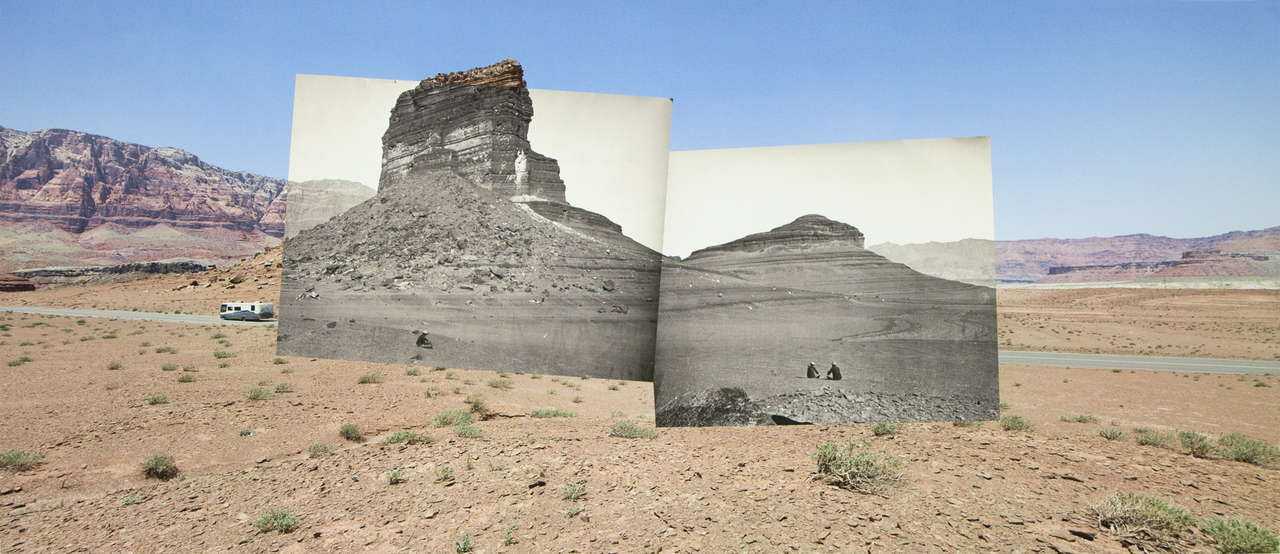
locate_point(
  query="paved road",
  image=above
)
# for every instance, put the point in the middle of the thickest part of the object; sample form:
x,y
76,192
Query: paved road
x,y
1105,361
173,318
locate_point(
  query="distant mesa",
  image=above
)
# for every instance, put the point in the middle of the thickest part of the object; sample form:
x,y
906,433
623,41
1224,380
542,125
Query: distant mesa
x,y
311,203
808,230
76,183
968,261
1134,257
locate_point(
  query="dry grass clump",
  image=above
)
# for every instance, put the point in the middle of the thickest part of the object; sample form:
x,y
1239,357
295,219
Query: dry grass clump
x,y
409,437
1136,515
351,432
1153,437
1238,447
19,460
1240,536
552,412
629,430
276,519
450,418
160,466
865,472
1014,423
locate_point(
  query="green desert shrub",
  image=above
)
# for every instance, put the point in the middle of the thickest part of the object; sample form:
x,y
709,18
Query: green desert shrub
x,y
1240,536
279,361
574,491
1082,418
319,450
408,437
20,360
450,418
1112,434
260,394
114,366
351,432
1197,443
369,378
168,367
19,460
468,431
444,474
186,378
284,387
220,354
158,399
413,372
629,430
500,383
551,412
160,466
396,476
276,519
850,468
885,429
1014,423
475,403
1154,437
166,350
1238,447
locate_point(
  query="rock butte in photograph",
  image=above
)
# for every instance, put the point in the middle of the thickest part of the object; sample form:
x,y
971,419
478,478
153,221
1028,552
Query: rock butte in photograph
x,y
470,219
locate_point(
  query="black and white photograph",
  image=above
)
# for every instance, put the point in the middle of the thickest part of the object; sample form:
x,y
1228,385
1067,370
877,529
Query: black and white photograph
x,y
479,248
858,287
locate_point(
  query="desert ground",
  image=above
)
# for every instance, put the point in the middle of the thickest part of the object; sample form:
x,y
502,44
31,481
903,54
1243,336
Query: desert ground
x,y
515,489
1196,323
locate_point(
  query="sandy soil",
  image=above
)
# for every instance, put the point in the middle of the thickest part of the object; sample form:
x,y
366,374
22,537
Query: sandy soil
x,y
1242,324
963,489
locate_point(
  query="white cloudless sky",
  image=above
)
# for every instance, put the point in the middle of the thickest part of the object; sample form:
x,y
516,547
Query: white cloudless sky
x,y
612,149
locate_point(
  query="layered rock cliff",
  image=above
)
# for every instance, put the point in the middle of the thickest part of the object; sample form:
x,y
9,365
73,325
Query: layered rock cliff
x,y
78,181
809,230
461,187
1031,260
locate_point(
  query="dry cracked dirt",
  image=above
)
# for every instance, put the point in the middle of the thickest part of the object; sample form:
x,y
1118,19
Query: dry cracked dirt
x,y
742,489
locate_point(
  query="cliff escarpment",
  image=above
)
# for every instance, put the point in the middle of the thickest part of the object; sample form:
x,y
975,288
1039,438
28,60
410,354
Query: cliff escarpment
x,y
78,181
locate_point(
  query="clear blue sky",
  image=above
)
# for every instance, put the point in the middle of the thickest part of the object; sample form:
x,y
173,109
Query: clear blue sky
x,y
1106,118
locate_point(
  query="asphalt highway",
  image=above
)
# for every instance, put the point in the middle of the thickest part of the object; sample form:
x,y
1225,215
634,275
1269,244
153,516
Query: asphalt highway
x,y
149,316
1152,363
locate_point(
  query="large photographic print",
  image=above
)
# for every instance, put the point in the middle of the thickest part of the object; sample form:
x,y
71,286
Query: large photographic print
x,y
475,251
842,283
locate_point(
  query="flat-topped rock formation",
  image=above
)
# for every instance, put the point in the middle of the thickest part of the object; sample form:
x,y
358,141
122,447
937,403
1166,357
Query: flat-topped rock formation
x,y
474,123
314,202
1031,260
469,238
1195,263
809,230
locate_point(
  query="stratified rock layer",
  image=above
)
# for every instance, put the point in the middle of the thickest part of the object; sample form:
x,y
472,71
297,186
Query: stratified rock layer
x,y
78,181
474,123
809,230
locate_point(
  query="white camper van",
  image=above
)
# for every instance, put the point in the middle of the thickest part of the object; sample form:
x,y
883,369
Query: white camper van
x,y
249,311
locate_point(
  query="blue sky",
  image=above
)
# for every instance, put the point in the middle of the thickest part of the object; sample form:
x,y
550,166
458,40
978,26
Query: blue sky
x,y
1105,118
